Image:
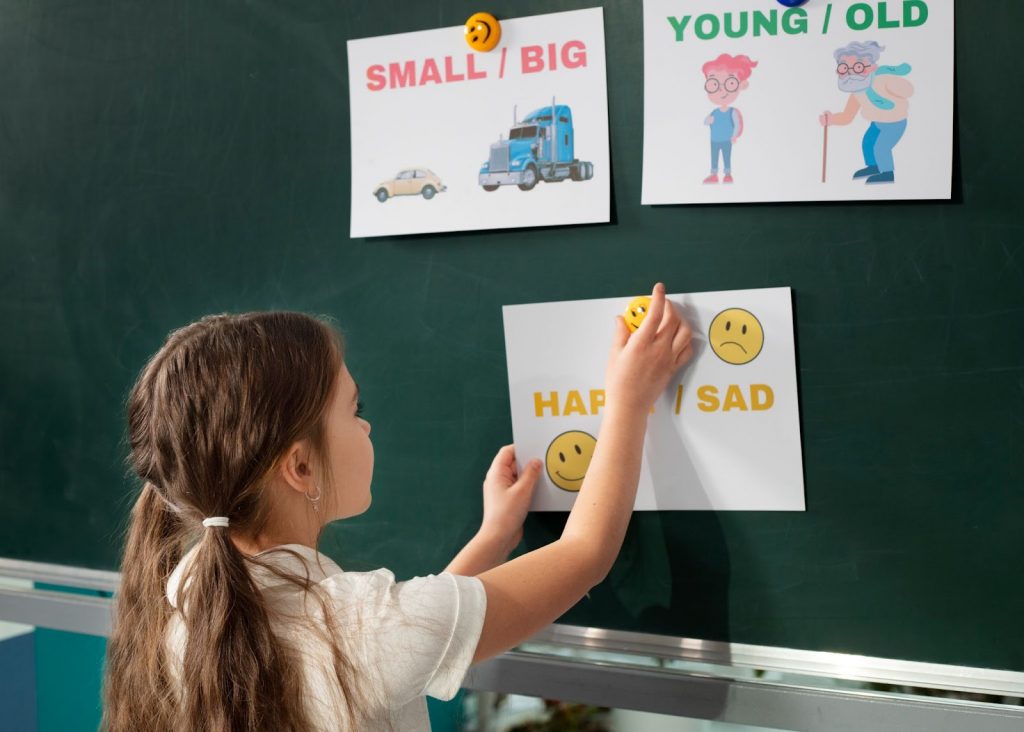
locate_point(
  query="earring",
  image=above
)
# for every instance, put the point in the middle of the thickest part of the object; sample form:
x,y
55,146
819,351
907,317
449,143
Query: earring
x,y
315,500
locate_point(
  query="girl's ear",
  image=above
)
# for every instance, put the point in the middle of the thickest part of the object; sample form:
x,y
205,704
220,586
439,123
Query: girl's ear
x,y
296,469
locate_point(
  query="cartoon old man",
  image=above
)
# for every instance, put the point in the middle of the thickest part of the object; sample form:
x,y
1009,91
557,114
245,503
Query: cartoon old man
x,y
882,94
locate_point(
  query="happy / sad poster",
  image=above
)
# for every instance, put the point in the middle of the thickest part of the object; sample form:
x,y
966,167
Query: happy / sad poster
x,y
725,434
750,100
448,139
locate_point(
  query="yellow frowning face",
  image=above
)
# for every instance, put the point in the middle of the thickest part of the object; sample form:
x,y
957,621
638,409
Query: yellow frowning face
x,y
482,31
568,458
636,312
736,336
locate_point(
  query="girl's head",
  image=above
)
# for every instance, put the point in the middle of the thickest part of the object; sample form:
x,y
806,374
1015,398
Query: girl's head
x,y
253,417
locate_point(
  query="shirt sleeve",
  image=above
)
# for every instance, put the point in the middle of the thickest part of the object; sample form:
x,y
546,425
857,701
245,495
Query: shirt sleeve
x,y
418,637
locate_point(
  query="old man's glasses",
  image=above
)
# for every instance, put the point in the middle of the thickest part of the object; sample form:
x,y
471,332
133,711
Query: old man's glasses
x,y
858,68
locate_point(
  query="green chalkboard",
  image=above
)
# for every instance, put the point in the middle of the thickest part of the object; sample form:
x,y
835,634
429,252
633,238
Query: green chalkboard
x,y
164,160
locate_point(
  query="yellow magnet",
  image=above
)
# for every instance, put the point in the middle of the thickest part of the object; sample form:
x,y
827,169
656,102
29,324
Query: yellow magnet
x,y
483,31
637,311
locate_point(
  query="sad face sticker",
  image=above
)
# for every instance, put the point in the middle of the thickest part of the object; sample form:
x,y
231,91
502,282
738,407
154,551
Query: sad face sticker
x,y
736,336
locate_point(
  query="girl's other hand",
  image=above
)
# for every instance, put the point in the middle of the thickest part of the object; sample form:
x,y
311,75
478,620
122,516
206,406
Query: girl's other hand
x,y
507,496
640,365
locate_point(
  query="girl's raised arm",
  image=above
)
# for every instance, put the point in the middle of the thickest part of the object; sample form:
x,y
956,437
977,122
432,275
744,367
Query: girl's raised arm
x,y
533,590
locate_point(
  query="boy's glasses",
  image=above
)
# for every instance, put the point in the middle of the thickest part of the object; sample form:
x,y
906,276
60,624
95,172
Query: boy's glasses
x,y
857,68
731,84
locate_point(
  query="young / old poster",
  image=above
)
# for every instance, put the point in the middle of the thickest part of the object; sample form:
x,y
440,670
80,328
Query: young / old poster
x,y
725,435
750,100
448,139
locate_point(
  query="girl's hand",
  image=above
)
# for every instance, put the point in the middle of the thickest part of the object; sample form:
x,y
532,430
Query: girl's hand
x,y
507,497
640,365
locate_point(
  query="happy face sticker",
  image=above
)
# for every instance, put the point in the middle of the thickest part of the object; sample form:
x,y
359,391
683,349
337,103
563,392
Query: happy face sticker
x,y
636,311
568,458
736,336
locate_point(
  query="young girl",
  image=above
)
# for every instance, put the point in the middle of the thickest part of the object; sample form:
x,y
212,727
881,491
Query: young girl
x,y
247,434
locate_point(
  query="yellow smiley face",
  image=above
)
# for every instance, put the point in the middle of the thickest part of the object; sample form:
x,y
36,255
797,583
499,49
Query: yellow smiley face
x,y
736,336
482,31
568,458
636,312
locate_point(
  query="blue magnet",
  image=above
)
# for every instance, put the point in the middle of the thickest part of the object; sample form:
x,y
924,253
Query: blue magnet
x,y
793,3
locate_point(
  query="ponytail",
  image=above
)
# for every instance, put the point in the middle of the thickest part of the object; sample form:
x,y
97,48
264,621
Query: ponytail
x,y
152,550
237,674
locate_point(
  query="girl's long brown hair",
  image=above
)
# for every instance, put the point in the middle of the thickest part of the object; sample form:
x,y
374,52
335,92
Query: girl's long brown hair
x,y
208,418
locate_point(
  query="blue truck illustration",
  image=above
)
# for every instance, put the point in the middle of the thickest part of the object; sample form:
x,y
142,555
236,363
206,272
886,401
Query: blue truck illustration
x,y
540,147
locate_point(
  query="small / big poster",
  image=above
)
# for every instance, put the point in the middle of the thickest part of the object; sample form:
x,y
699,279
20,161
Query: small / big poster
x,y
448,139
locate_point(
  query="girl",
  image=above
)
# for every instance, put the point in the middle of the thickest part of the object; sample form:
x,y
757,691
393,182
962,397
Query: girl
x,y
247,434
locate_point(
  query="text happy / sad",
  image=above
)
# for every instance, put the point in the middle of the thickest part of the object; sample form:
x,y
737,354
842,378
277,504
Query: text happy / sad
x,y
734,397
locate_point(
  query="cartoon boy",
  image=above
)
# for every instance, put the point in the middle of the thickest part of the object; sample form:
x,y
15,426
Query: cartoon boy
x,y
724,79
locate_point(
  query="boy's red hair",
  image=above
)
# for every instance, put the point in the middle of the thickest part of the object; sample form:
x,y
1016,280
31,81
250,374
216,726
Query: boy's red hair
x,y
740,66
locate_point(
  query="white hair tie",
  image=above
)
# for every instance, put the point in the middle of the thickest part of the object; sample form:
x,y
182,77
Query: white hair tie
x,y
215,521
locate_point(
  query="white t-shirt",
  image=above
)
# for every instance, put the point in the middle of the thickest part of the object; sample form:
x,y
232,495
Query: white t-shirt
x,y
406,639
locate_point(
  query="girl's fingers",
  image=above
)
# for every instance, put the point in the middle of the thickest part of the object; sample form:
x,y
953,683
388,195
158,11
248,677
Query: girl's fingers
x,y
670,322
506,455
621,335
681,338
504,461
529,476
652,322
685,355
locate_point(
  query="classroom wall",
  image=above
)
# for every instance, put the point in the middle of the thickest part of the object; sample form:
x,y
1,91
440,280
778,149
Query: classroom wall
x,y
167,160
68,680
17,677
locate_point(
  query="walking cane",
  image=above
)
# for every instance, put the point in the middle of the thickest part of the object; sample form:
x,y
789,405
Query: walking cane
x,y
824,151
